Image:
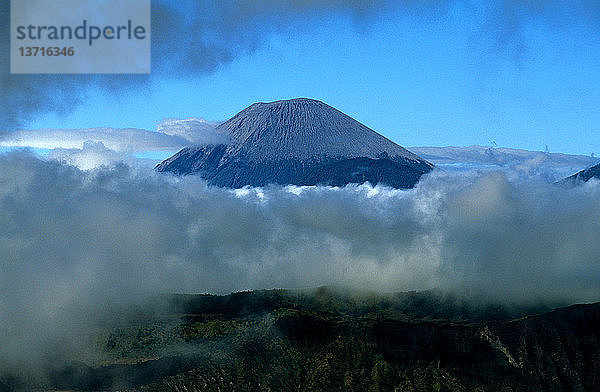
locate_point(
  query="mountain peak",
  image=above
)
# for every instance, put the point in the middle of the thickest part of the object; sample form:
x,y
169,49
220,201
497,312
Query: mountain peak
x,y
292,101
296,141
305,129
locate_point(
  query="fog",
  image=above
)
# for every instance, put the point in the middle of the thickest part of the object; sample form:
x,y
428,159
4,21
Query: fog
x,y
76,245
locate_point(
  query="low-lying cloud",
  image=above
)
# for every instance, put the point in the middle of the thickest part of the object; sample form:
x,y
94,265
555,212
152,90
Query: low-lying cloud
x,y
514,162
77,243
171,135
89,148
92,155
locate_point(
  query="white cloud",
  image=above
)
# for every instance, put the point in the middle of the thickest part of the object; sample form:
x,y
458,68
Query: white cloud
x,y
74,244
195,130
172,135
90,156
125,139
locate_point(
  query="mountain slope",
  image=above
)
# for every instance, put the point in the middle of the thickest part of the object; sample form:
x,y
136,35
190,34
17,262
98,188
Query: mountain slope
x,y
329,340
584,175
299,141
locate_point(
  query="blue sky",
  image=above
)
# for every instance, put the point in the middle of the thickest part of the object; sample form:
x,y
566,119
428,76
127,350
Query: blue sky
x,y
459,73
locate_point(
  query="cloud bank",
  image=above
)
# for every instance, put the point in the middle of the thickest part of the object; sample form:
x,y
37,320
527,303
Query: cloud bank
x,y
171,134
89,148
77,244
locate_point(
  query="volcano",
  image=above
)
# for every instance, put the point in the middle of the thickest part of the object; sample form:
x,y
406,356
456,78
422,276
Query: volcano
x,y
302,142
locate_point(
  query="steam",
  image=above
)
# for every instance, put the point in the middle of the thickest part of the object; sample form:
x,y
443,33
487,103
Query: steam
x,y
76,244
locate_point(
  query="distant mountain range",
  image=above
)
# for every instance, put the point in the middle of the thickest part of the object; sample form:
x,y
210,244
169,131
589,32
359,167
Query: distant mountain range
x,y
300,141
482,156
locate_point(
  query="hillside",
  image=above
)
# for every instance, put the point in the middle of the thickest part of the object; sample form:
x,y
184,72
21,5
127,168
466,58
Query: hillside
x,y
330,340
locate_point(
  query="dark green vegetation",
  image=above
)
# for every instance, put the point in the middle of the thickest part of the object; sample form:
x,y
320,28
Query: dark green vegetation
x,y
331,340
